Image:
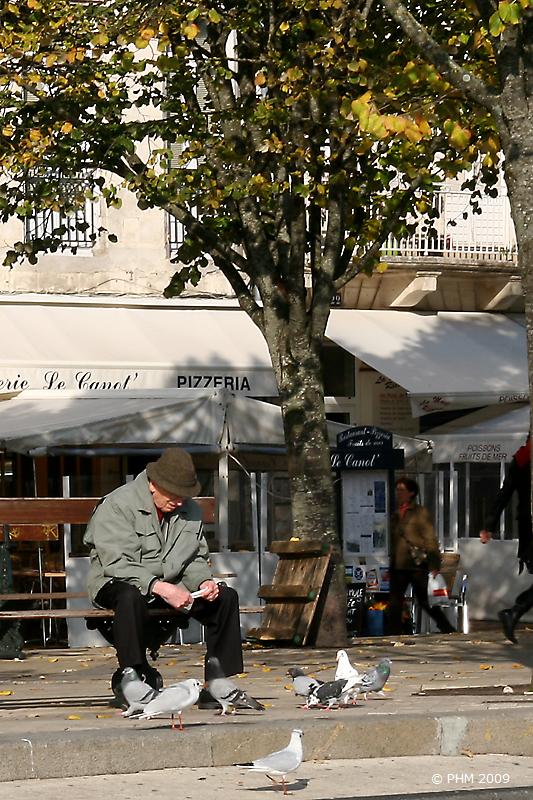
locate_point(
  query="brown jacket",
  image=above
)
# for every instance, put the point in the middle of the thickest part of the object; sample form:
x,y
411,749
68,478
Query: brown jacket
x,y
415,528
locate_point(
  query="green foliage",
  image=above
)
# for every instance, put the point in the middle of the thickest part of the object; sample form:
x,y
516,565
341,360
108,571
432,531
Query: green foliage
x,y
298,133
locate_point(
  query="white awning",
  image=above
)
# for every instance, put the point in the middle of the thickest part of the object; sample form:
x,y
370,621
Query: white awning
x,y
444,360
476,438
37,422
88,345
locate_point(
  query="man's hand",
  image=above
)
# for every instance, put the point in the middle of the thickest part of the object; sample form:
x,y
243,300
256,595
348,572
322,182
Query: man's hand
x,y
176,596
210,590
485,536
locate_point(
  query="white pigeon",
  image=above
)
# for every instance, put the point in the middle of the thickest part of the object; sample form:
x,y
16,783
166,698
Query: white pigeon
x,y
281,762
174,700
346,671
226,691
137,693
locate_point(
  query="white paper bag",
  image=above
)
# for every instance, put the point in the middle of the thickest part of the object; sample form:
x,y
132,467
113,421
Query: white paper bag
x,y
437,591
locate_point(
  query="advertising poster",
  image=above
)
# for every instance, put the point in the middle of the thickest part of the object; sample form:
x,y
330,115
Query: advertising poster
x,y
365,518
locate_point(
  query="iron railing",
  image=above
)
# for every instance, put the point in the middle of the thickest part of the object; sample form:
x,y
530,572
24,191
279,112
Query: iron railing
x,y
460,234
75,230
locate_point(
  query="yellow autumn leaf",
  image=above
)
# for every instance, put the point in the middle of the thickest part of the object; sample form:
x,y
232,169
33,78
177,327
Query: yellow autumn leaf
x,y
383,267
5,692
517,666
284,27
53,660
266,669
73,716
8,131
260,79
486,666
241,675
34,135
66,128
34,4
104,716
191,30
288,687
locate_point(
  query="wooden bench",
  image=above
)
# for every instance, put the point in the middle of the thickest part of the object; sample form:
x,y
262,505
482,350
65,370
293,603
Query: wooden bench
x,y
31,513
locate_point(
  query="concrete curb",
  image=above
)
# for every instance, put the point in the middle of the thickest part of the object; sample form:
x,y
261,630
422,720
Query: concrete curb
x,y
97,752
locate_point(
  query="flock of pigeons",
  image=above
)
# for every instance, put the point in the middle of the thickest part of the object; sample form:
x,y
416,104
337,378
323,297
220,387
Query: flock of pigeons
x,y
144,702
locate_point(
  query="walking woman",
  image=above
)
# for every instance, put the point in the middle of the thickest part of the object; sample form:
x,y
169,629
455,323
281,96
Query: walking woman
x,y
414,554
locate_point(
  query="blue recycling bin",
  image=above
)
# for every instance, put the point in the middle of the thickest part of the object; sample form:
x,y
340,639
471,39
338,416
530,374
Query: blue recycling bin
x,y
375,622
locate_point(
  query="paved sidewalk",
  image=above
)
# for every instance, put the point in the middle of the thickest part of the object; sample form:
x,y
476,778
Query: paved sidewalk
x,y
446,697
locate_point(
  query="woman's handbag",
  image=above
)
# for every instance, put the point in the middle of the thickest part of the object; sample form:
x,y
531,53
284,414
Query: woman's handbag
x,y
437,590
418,554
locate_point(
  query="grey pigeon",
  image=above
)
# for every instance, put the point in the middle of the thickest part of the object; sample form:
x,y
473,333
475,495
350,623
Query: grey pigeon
x,y
137,693
302,684
281,762
328,693
173,700
226,691
373,680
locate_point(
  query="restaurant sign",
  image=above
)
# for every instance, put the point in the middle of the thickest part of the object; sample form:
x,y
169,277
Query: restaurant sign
x,y
256,383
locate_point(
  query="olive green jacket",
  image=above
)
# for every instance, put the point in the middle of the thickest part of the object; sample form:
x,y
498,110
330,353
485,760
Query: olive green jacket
x,y
414,528
127,542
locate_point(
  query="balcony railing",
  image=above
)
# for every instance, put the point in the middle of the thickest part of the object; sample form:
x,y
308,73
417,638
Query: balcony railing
x,y
460,234
76,230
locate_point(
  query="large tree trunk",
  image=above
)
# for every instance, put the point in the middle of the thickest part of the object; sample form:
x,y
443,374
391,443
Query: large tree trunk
x,y
516,135
299,373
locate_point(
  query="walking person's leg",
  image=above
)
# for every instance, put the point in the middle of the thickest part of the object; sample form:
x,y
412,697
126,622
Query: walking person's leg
x,y
420,590
510,616
399,581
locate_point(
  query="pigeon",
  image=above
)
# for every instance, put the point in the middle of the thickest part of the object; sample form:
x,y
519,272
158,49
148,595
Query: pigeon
x,y
281,762
346,670
226,691
137,693
173,700
328,693
373,680
302,684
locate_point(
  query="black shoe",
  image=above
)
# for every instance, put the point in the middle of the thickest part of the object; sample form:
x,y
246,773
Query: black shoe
x,y
206,701
509,618
118,700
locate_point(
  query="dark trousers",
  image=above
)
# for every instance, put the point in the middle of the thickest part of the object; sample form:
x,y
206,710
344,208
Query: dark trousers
x,y
418,578
134,631
524,601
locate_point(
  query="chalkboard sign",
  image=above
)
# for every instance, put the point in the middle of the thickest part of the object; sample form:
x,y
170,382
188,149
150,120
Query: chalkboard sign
x,y
355,607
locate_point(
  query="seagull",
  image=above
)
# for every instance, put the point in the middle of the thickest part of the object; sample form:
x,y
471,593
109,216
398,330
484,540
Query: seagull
x,y
281,762
174,700
302,684
137,693
328,693
373,680
226,691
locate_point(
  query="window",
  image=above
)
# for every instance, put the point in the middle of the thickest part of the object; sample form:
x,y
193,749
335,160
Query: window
x,y
76,229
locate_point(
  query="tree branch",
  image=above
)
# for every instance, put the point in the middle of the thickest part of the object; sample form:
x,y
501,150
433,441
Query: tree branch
x,y
469,85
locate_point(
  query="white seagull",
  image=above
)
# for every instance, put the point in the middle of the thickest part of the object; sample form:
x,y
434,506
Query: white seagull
x,y
173,700
281,762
